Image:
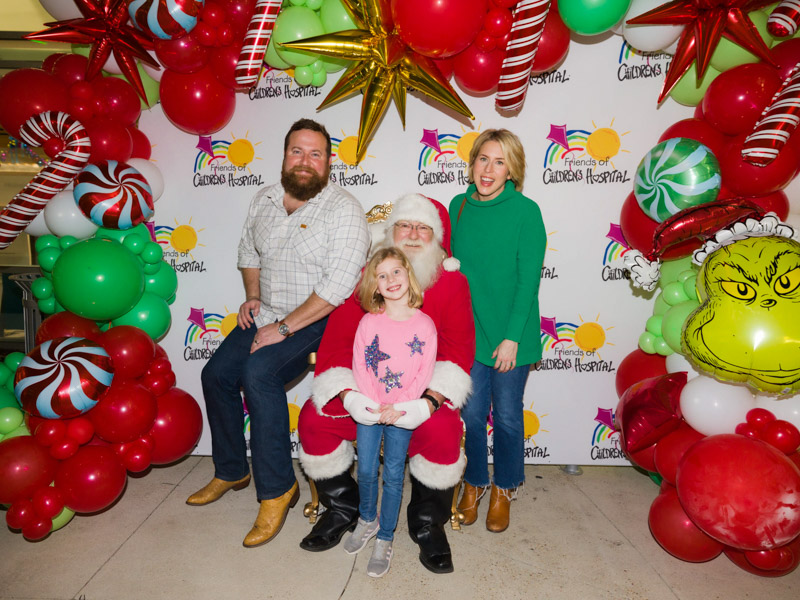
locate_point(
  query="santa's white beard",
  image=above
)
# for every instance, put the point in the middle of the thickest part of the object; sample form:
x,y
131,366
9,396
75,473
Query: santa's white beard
x,y
426,261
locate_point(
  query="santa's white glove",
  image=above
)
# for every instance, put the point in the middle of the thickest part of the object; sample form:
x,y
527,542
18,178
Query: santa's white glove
x,y
357,403
417,412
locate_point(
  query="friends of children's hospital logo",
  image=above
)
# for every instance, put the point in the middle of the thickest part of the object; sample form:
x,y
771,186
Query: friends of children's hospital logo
x,y
605,441
345,171
615,250
181,244
532,427
568,346
634,64
294,416
226,163
205,333
279,84
583,156
443,157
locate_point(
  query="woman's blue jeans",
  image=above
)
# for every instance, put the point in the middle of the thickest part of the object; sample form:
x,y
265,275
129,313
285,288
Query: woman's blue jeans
x,y
263,376
395,448
502,392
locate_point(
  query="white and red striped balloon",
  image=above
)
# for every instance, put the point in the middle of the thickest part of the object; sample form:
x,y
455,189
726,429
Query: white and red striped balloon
x,y
523,41
777,123
114,195
784,19
55,177
255,42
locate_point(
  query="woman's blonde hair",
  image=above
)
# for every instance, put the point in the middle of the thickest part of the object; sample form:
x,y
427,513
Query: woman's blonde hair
x,y
368,294
513,152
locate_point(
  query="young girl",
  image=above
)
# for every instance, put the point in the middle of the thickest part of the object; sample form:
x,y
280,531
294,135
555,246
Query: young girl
x,y
393,358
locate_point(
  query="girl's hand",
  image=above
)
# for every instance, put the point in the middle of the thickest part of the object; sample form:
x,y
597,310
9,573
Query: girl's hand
x,y
389,415
505,356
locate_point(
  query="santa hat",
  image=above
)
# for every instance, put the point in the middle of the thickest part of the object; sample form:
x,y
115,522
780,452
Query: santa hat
x,y
419,208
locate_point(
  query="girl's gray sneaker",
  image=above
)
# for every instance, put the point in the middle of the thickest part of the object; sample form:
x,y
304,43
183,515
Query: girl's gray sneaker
x,y
381,558
363,533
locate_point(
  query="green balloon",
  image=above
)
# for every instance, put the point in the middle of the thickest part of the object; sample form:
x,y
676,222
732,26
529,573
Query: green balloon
x,y
20,431
729,54
688,91
690,287
98,279
5,373
660,306
152,253
42,288
272,59
647,342
314,4
8,399
334,65
62,518
303,75
671,269
590,17
67,241
12,360
46,241
10,419
319,79
151,314
661,347
121,235
672,326
162,283
674,294
47,305
335,17
653,324
48,258
293,24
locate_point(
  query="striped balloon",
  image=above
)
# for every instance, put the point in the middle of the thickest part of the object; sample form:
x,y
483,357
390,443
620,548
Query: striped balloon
x,y
165,19
114,195
55,177
255,42
674,175
63,377
784,19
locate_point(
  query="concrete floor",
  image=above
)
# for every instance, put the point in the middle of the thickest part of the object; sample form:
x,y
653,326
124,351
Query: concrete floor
x,y
577,537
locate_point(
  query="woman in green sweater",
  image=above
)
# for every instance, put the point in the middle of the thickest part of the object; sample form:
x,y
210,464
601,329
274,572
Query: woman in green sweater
x,y
499,237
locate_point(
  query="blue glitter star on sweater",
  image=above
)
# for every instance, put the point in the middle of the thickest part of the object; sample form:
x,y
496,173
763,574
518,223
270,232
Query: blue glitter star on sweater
x,y
373,355
416,345
391,380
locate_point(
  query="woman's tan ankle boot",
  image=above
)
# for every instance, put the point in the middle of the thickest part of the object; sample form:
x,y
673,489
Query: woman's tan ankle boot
x,y
468,505
499,509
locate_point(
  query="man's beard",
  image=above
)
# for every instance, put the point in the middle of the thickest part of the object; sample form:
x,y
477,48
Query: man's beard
x,y
304,188
426,261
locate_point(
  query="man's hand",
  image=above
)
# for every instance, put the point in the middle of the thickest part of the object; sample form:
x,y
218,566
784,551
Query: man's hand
x,y
361,408
266,336
245,318
415,413
506,356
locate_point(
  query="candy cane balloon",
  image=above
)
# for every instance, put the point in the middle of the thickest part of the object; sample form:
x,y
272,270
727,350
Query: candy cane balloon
x,y
784,19
523,41
256,41
777,123
55,177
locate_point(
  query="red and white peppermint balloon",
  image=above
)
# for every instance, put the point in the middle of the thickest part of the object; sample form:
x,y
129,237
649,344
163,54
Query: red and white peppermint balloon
x,y
55,177
784,19
114,195
256,41
63,377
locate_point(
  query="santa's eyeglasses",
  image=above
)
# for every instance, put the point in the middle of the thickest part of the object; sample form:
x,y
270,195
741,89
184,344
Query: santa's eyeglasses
x,y
409,227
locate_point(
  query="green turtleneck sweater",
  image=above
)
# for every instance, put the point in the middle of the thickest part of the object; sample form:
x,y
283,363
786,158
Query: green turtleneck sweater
x,y
501,244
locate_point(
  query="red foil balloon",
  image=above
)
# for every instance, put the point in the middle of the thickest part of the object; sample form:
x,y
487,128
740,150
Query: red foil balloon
x,y
91,480
676,533
177,427
649,410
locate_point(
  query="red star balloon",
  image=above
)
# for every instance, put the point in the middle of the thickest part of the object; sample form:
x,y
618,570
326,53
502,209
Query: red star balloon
x,y
706,22
105,28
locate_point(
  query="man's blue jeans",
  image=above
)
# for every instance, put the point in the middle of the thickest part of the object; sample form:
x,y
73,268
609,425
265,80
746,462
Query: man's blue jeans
x,y
502,392
263,375
395,447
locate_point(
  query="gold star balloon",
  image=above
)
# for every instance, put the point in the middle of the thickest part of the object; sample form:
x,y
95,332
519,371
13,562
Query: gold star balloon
x,y
383,67
706,21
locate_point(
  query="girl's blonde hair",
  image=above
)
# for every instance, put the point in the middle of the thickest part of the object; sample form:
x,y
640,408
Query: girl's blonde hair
x,y
513,152
371,300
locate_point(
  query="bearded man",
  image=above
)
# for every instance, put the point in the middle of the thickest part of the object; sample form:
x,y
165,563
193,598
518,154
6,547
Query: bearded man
x,y
420,227
301,253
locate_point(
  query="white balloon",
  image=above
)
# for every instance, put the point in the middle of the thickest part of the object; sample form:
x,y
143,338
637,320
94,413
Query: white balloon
x,y
38,227
151,71
678,362
712,407
61,10
648,38
787,409
63,217
151,173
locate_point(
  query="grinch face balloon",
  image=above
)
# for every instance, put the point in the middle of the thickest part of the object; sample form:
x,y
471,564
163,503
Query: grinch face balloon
x,y
747,328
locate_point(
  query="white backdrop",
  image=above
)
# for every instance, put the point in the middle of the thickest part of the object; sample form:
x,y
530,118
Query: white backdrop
x,y
585,127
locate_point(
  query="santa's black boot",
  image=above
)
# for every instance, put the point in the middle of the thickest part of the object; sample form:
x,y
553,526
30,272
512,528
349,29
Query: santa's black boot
x,y
428,511
339,495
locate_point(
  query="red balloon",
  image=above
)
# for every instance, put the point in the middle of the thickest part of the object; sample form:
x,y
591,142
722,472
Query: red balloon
x,y
196,103
649,410
37,529
48,501
744,179
25,93
223,63
25,466
184,55
130,348
782,435
777,202
110,140
49,62
478,72
645,458
177,427
786,55
124,413
759,418
485,41
91,480
142,148
553,44
136,456
639,365
699,130
64,449
71,68
67,324
80,430
53,147
204,34
740,491
50,432
213,13
497,21
735,100
158,383
464,19
671,448
20,513
237,14
767,560
676,533
789,558
120,102
445,66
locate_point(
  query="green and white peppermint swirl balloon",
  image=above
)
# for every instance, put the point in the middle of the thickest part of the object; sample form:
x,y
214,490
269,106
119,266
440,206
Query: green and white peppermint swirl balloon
x,y
676,174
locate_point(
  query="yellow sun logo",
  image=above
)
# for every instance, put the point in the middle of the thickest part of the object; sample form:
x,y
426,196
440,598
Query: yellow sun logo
x,y
604,143
465,143
532,425
228,323
184,237
242,152
590,336
346,150
294,415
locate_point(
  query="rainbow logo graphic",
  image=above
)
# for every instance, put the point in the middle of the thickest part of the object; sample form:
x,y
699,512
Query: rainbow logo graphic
x,y
554,333
617,246
626,52
601,144
605,426
218,151
588,336
202,325
562,142
239,153
445,146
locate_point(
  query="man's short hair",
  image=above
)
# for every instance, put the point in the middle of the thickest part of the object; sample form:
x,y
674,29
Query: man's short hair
x,y
311,125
